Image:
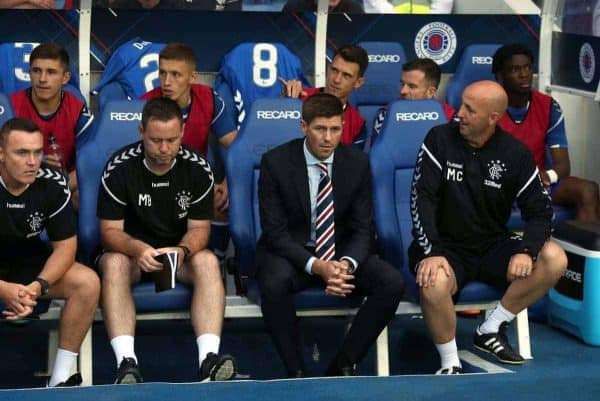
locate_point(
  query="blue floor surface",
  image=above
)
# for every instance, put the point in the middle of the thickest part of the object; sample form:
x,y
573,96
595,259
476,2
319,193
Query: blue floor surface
x,y
564,368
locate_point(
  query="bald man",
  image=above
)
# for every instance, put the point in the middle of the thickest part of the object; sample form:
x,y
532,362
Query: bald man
x,y
468,175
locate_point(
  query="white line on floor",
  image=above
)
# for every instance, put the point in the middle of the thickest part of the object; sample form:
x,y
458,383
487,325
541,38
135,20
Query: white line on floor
x,y
474,360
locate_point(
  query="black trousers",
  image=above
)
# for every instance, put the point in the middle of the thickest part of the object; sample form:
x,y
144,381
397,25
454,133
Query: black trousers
x,y
279,281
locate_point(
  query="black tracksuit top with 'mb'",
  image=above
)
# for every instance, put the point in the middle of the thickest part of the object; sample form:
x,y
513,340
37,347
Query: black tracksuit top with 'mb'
x,y
461,197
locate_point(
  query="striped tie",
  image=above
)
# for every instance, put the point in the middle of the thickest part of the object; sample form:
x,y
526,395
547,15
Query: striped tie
x,y
325,230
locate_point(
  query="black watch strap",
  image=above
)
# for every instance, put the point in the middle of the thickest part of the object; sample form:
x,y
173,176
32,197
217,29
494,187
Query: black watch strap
x,y
186,251
43,284
528,251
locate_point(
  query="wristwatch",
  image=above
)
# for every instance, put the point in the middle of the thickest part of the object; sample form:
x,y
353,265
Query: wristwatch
x,y
43,284
528,252
186,251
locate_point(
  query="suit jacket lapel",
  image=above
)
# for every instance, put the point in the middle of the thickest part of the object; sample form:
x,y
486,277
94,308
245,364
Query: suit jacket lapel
x,y
300,177
338,177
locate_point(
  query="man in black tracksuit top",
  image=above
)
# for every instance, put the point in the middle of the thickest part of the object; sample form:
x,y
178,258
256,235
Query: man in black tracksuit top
x,y
468,175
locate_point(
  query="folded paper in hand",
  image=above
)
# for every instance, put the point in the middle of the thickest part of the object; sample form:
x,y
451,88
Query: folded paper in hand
x,y
165,279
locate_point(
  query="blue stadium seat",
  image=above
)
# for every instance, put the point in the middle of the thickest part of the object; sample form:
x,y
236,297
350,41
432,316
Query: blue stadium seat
x,y
475,64
117,126
382,78
393,158
240,80
382,81
131,71
260,133
112,91
6,111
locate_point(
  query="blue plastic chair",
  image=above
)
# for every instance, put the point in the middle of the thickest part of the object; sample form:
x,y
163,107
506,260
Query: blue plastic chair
x,y
117,126
475,64
393,158
256,137
6,110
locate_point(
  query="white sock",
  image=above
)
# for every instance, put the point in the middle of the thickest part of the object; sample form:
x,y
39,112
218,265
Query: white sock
x,y
497,317
62,366
449,354
207,343
123,348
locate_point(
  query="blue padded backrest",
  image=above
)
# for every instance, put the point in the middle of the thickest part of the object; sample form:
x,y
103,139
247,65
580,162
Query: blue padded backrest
x,y
475,65
117,126
270,122
382,78
112,91
6,111
369,113
393,158
133,67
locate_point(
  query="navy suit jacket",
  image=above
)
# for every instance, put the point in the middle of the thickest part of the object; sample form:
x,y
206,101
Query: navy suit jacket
x,y
284,203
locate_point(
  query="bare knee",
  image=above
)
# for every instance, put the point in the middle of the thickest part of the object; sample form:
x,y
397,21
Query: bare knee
x,y
114,267
441,290
81,282
588,193
553,260
204,265
89,282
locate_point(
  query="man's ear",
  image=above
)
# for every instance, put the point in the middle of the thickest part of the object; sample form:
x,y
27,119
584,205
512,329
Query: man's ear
x,y
66,77
303,126
359,82
431,92
495,117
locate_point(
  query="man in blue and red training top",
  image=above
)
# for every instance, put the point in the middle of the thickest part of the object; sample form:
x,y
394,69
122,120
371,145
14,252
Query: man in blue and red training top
x,y
56,112
203,112
344,74
537,120
420,80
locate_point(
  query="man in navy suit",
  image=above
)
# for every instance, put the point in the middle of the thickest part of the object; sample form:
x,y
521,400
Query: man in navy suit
x,y
317,230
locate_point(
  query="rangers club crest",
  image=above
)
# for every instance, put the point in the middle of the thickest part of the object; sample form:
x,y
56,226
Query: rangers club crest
x,y
496,169
436,41
183,200
34,221
587,63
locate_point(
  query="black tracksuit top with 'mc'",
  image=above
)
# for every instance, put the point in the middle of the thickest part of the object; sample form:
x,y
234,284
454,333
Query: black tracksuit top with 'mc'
x,y
461,197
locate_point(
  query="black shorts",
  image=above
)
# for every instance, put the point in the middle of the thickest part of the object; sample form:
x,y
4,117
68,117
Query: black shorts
x,y
22,264
489,266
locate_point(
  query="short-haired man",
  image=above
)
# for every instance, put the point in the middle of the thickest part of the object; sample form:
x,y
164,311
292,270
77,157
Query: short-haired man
x,y
420,80
156,197
468,175
537,120
310,240
34,197
344,74
203,113
58,113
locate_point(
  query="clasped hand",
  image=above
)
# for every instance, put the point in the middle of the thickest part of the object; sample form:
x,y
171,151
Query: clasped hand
x,y
335,275
20,300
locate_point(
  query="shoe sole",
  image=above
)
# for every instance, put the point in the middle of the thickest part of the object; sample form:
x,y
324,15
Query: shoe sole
x,y
498,358
129,378
222,372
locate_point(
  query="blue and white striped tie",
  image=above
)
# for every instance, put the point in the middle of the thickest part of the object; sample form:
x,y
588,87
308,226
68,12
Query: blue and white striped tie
x,y
325,225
